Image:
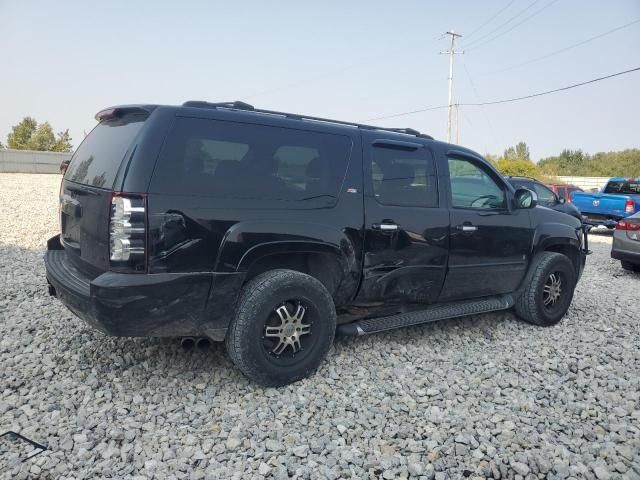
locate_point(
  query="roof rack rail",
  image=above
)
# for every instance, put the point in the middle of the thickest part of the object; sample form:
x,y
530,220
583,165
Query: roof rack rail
x,y
238,105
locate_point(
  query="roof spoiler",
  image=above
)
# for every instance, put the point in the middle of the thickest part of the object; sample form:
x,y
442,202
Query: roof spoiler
x,y
116,112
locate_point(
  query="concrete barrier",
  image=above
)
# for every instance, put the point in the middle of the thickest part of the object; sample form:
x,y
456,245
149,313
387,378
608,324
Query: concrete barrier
x,y
30,161
585,183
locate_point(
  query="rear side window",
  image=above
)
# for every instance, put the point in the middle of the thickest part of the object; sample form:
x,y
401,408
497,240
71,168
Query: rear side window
x,y
98,158
403,177
235,160
625,187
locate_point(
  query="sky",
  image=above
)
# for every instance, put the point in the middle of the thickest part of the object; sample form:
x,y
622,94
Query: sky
x,y
64,61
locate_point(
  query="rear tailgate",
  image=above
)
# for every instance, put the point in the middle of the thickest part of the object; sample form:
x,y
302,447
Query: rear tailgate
x,y
601,204
85,194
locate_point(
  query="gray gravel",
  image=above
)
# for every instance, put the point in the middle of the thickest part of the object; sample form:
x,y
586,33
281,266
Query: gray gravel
x,y
484,396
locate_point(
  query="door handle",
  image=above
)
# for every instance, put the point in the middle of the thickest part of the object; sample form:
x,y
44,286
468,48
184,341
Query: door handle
x,y
385,226
468,228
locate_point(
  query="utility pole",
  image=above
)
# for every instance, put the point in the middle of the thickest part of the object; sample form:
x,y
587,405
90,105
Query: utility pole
x,y
451,52
457,121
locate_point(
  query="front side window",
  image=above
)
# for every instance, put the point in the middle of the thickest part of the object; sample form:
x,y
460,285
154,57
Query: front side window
x,y
473,187
236,160
403,177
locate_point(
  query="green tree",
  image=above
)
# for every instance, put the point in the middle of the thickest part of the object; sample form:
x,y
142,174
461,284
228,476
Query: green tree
x,y
519,152
569,162
42,139
518,168
28,135
601,164
63,142
516,161
22,133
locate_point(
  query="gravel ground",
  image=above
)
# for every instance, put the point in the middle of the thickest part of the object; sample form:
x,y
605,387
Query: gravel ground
x,y
483,396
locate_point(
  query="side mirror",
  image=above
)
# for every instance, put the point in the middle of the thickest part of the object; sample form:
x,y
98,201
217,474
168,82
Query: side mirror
x,y
525,198
560,200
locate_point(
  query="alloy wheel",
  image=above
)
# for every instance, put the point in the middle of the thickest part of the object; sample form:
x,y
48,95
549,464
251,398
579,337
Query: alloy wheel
x,y
552,290
287,329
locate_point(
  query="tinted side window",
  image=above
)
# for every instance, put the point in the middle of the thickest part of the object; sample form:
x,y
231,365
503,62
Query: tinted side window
x,y
472,187
545,195
236,160
563,192
404,178
97,160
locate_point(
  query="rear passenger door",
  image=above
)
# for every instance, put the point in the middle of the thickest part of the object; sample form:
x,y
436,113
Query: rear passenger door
x,y
406,230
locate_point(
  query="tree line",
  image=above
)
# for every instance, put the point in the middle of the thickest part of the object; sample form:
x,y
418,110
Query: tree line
x,y
31,135
517,161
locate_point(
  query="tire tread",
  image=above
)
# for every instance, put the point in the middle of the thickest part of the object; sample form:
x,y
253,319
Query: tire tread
x,y
245,315
526,302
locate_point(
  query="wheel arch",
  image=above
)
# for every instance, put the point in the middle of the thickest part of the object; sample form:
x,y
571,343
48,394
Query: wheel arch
x,y
559,238
321,251
323,262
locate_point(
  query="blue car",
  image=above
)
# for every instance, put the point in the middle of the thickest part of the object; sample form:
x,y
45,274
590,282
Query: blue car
x,y
620,198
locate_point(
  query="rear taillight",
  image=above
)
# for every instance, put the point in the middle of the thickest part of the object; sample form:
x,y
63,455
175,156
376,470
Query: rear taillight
x,y
127,232
629,206
627,226
570,197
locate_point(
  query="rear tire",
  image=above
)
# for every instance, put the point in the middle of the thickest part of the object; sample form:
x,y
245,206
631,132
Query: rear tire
x,y
632,267
283,328
548,290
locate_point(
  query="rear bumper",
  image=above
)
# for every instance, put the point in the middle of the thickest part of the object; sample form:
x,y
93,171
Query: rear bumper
x,y
626,256
624,248
600,220
144,305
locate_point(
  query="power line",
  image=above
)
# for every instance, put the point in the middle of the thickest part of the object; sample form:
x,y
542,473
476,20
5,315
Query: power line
x,y
568,87
516,25
492,18
556,52
491,32
508,100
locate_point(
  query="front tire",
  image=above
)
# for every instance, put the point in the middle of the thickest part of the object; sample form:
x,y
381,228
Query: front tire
x,y
283,329
548,290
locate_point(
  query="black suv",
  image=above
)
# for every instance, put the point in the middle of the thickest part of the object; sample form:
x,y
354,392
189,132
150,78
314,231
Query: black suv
x,y
271,231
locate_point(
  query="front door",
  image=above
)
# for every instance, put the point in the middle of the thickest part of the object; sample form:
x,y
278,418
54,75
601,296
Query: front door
x,y
406,229
489,240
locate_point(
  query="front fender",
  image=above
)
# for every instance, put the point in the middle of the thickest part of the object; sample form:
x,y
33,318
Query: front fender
x,y
556,234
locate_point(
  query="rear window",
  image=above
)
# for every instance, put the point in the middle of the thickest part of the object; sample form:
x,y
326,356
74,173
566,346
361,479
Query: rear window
x,y
625,187
235,160
98,158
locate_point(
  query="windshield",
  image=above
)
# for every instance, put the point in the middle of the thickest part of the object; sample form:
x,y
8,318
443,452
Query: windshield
x,y
97,160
